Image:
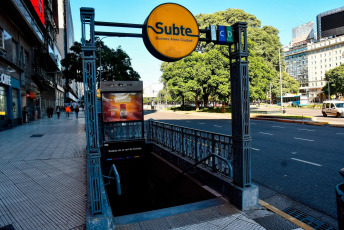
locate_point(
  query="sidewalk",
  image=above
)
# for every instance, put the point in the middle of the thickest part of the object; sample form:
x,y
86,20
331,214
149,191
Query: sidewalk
x,y
42,175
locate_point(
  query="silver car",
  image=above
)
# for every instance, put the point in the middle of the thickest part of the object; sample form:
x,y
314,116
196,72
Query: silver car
x,y
333,107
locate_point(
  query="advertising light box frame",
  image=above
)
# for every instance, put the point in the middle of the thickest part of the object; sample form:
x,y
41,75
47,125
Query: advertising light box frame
x,y
122,102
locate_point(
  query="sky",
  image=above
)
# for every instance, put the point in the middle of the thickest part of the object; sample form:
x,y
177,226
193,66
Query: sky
x,y
284,15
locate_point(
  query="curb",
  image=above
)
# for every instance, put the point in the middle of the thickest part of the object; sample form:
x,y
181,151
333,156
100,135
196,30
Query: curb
x,y
285,215
294,121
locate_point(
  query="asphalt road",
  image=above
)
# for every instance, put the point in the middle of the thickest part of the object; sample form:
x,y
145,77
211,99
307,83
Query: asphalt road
x,y
299,161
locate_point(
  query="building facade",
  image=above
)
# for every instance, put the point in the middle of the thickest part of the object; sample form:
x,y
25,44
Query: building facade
x,y
322,56
308,59
30,69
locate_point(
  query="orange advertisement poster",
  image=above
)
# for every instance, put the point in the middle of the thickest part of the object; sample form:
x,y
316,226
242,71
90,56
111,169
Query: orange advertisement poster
x,y
122,107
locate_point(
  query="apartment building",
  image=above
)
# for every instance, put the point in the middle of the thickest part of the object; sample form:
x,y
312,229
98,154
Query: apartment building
x,y
307,59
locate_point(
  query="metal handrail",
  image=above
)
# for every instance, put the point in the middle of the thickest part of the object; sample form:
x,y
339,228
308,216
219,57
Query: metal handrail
x,y
206,158
195,144
117,179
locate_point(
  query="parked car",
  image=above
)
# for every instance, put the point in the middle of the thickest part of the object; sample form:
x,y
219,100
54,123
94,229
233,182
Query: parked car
x,y
333,107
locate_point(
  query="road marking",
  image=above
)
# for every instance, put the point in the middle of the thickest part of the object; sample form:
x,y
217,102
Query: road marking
x,y
218,126
309,130
187,121
255,149
340,133
202,123
293,153
266,133
253,123
302,139
307,162
277,127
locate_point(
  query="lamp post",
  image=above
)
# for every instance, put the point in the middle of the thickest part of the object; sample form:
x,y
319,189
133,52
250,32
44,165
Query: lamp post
x,y
279,60
100,58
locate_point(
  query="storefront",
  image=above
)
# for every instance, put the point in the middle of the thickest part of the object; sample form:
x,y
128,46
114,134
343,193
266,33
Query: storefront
x,y
10,103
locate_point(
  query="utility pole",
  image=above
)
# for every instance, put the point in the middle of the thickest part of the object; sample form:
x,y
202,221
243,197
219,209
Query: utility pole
x,y
270,93
280,72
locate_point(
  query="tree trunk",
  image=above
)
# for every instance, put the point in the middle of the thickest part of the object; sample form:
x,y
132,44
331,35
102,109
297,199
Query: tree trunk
x,y
196,103
182,101
206,99
223,108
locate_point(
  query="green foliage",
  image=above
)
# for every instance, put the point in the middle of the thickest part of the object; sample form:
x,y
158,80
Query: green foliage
x,y
336,78
116,65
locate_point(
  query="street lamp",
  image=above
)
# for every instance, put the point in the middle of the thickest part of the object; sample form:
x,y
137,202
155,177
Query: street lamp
x,y
100,58
279,60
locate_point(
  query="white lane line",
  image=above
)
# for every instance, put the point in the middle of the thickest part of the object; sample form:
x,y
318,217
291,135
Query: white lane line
x,y
253,123
293,153
309,130
340,133
266,133
307,162
255,149
275,126
202,123
218,126
302,139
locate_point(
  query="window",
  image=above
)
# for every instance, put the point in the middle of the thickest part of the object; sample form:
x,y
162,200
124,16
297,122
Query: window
x,y
15,103
3,103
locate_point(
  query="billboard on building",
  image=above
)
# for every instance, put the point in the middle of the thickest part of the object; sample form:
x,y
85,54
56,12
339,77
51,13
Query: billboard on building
x,y
39,8
122,107
332,25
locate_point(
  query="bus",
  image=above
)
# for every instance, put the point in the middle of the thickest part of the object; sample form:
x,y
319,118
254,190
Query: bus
x,y
294,100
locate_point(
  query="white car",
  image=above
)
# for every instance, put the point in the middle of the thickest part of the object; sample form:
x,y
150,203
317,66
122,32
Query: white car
x,y
333,107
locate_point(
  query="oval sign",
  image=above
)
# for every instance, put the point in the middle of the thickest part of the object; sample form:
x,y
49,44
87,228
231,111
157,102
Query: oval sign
x,y
170,32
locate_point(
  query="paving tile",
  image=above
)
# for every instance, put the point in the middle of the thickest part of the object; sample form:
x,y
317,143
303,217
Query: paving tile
x,y
42,179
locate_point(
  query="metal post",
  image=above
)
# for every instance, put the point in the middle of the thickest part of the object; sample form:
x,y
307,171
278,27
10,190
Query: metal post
x,y
270,93
240,106
280,73
88,49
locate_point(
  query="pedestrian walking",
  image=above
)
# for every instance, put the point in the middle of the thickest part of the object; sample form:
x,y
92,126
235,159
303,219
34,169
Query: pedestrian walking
x,y
67,111
51,111
24,111
48,112
76,111
58,112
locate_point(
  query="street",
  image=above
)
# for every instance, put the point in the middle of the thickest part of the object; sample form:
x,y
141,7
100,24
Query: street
x,y
299,161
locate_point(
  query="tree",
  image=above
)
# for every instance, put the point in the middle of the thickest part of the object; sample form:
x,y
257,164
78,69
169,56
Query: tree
x,y
116,65
336,78
210,75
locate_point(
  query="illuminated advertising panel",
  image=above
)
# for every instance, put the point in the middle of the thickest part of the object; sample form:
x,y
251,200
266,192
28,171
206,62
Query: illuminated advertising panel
x,y
39,8
119,107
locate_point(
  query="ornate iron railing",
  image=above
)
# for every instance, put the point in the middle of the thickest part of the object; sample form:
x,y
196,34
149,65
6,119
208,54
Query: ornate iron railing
x,y
194,144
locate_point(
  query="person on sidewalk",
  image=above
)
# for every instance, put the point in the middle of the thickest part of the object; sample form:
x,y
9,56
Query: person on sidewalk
x,y
76,111
67,111
58,111
24,111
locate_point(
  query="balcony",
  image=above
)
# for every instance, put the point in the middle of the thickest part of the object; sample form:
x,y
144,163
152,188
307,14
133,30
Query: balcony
x,y
51,58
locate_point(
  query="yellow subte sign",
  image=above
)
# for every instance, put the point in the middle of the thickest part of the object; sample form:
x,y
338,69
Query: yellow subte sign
x,y
170,32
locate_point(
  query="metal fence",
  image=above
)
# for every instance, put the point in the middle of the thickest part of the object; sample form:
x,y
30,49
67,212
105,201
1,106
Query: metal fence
x,y
194,144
